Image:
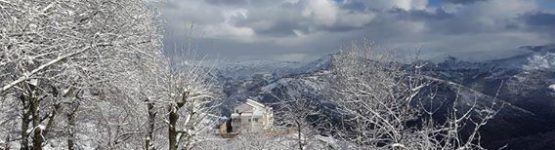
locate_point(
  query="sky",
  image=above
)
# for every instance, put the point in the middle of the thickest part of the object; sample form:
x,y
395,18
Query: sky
x,y
304,30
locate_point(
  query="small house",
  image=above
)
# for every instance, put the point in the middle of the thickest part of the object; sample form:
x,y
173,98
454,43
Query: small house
x,y
251,116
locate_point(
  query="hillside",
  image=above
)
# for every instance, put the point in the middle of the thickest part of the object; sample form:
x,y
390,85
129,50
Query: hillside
x,y
524,90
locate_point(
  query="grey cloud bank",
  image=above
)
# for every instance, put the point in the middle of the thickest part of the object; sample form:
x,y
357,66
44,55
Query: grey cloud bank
x,y
300,30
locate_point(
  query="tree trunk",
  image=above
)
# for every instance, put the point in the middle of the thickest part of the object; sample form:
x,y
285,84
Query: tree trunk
x,y
173,118
38,136
51,119
172,131
7,144
299,136
24,127
71,130
151,125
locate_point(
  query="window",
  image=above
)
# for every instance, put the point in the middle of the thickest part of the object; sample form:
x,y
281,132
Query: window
x,y
255,119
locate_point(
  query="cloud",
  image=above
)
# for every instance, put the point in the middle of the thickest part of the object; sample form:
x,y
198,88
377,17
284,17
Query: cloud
x,y
464,1
278,29
540,19
322,12
236,3
383,5
539,22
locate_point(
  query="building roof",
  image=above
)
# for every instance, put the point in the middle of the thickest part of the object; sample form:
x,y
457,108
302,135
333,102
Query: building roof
x,y
243,108
255,103
251,106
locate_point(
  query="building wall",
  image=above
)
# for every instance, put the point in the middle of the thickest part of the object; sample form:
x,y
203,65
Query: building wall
x,y
252,122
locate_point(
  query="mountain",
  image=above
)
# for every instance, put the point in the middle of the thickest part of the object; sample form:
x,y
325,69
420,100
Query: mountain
x,y
523,81
524,84
245,70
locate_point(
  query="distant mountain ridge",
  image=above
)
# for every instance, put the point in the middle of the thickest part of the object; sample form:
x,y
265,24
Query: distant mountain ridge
x,y
524,82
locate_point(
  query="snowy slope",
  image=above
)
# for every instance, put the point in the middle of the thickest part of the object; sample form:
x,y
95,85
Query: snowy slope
x,y
525,83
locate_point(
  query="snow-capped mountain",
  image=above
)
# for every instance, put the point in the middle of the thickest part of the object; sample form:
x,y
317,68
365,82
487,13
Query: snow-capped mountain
x,y
525,83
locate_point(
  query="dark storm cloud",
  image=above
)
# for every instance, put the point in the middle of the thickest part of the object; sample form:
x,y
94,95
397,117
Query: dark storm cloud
x,y
540,22
540,19
312,28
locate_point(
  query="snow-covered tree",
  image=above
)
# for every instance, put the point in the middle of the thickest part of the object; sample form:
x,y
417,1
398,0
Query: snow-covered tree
x,y
295,109
54,53
191,101
383,105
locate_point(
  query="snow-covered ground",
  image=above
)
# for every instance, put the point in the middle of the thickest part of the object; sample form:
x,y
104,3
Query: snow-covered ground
x,y
541,62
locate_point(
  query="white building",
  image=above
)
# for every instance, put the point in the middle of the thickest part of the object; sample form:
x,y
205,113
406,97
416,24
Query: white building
x,y
251,116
